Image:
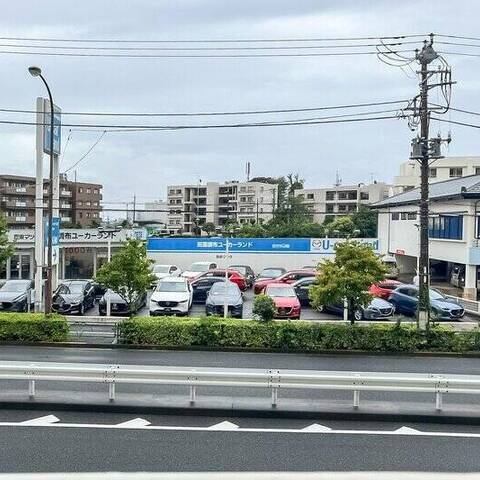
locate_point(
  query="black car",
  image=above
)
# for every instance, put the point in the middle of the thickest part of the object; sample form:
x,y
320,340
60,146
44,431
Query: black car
x,y
302,288
271,272
246,271
74,296
118,306
15,295
221,293
202,286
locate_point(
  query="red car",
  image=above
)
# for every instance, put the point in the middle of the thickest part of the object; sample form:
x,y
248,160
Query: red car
x,y
233,276
384,288
286,300
289,277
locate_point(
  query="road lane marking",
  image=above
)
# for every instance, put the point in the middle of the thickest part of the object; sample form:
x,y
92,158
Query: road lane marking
x,y
224,426
45,420
398,432
134,423
315,427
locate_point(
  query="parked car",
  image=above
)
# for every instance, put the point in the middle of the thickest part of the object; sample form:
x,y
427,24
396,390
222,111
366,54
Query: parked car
x,y
74,296
221,292
162,271
393,270
246,271
197,268
15,295
405,299
384,288
233,276
201,287
271,272
289,277
377,309
286,302
302,289
118,305
172,296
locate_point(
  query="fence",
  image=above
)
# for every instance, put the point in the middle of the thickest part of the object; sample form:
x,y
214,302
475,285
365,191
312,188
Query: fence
x,y
272,380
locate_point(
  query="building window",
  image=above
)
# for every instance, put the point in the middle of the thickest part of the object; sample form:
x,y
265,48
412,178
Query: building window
x,y
432,172
329,208
80,190
243,189
342,208
364,196
411,215
330,195
449,227
456,172
89,190
477,170
310,196
95,191
395,216
80,215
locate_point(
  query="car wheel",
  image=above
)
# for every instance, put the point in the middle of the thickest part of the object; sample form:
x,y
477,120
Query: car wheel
x,y
358,314
81,311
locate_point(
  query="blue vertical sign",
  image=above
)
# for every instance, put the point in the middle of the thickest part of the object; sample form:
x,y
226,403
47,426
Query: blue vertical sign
x,y
55,239
57,128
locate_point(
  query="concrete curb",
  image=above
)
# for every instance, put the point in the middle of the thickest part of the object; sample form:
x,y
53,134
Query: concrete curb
x,y
275,413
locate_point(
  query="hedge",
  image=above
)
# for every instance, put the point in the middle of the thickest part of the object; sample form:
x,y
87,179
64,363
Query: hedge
x,y
291,336
32,327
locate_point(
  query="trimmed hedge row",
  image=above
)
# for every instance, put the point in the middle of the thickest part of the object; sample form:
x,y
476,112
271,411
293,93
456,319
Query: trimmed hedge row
x,y
292,336
32,327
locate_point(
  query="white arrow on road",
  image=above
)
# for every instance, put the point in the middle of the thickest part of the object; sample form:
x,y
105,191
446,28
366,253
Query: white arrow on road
x,y
224,426
46,420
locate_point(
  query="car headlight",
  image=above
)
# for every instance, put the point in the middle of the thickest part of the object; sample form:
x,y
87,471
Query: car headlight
x,y
183,302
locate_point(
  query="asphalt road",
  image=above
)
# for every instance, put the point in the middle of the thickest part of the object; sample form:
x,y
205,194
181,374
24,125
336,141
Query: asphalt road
x,y
186,444
242,399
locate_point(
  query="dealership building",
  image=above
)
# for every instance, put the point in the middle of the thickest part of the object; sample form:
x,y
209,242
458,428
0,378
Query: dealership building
x,y
453,230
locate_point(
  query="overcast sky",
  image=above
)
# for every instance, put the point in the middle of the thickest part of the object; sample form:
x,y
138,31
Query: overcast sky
x,y
143,163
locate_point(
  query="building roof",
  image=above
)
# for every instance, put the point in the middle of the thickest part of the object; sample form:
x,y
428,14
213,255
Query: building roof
x,y
465,187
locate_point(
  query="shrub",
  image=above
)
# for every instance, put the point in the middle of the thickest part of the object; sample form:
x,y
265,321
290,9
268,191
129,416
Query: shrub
x,y
214,332
32,327
263,308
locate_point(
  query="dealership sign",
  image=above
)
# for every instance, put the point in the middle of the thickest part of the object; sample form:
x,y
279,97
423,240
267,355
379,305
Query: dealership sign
x,y
325,246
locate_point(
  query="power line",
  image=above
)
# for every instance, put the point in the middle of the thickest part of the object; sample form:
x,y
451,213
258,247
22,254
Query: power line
x,y
465,124
460,37
230,40
247,55
87,153
199,114
230,48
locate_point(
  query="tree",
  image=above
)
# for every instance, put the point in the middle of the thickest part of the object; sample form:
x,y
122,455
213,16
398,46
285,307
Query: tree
x,y
6,248
129,272
365,220
341,227
263,308
349,276
209,228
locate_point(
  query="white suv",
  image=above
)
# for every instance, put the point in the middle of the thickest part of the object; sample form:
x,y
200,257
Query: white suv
x,y
172,296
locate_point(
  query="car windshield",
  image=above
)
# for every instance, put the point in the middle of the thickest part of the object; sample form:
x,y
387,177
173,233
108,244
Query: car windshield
x,y
161,269
199,267
241,270
434,295
14,286
75,287
280,291
271,272
219,288
171,287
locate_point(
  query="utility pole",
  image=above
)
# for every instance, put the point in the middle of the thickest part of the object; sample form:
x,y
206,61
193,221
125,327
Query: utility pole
x,y
134,209
257,211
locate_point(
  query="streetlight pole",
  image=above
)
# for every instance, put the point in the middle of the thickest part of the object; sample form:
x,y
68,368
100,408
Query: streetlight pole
x,y
37,72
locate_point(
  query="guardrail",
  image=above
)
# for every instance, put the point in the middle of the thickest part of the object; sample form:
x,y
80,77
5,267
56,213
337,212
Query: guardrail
x,y
272,380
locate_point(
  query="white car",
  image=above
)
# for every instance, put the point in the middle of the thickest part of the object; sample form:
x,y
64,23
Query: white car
x,y
162,271
172,296
197,268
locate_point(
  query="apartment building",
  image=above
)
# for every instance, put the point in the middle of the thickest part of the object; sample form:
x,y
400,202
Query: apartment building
x,y
152,213
218,203
79,202
341,199
442,169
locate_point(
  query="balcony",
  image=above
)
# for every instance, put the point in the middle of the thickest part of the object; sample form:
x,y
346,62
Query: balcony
x,y
63,193
20,219
66,219
66,205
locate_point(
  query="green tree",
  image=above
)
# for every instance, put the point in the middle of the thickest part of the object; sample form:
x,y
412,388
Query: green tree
x,y
263,308
209,228
348,276
129,273
6,248
365,220
341,227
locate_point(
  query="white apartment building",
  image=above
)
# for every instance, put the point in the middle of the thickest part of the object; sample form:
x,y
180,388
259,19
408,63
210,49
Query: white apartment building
x,y
453,230
440,170
341,199
218,203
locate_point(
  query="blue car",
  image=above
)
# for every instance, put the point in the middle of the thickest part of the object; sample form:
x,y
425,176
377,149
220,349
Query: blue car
x,y
405,299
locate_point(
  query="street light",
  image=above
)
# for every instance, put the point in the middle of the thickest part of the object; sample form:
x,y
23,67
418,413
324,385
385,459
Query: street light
x,y
37,72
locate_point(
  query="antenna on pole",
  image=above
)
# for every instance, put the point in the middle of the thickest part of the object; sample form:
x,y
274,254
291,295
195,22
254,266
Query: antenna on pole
x,y
247,171
338,180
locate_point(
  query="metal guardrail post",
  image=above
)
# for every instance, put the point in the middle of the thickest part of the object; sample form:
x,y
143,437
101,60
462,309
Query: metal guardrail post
x,y
111,392
31,388
356,398
274,396
274,383
438,401
193,393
